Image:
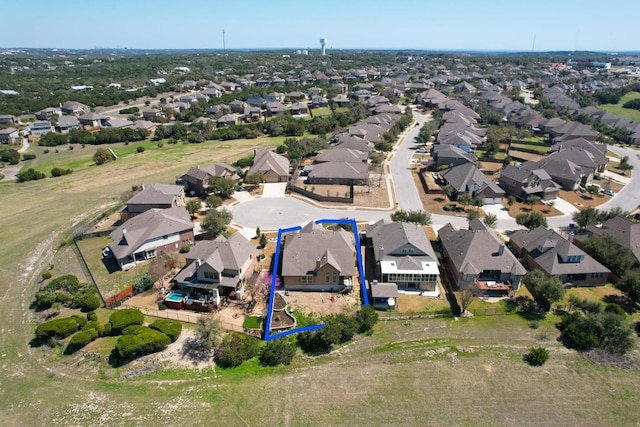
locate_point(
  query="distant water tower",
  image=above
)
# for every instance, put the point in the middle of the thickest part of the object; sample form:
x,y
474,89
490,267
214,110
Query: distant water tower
x,y
323,44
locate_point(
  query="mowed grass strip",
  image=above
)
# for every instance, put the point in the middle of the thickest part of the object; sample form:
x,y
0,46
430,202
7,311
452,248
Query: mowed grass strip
x,y
619,111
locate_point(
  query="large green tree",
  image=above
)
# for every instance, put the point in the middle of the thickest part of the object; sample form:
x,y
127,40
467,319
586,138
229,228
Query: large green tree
x,y
215,222
605,249
545,289
224,187
531,220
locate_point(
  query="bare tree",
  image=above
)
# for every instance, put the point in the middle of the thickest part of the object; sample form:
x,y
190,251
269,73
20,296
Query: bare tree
x,y
466,298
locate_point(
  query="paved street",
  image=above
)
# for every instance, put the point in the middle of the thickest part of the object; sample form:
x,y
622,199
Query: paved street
x,y
629,197
405,189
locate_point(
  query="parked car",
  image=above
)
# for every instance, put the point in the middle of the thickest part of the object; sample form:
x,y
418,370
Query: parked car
x,y
421,150
609,193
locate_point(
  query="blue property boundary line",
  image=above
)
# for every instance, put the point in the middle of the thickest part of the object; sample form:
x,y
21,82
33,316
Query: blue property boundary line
x,y
274,276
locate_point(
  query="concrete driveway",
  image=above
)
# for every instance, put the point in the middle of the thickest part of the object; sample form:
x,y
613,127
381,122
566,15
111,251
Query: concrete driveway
x,y
275,189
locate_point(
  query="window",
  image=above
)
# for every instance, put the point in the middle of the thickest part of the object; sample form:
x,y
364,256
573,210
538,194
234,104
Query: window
x,y
306,280
211,275
597,275
407,250
151,253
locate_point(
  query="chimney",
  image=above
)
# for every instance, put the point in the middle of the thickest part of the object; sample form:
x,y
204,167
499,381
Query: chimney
x,y
124,231
141,186
571,235
318,261
198,262
501,249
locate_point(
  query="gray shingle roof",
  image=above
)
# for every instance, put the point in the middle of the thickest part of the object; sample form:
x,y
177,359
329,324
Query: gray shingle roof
x,y
265,161
550,252
148,225
342,155
397,235
157,194
477,249
313,242
340,170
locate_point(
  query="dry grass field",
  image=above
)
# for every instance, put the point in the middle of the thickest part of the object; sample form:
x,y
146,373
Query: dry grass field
x,y
428,372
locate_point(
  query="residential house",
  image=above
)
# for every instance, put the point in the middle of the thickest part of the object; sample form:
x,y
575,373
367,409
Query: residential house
x,y
196,180
272,166
403,255
354,143
151,114
275,108
40,128
74,108
150,234
48,113
625,231
477,259
546,250
342,155
383,295
67,123
150,127
93,120
569,168
573,130
237,106
451,155
228,120
299,109
218,268
317,259
8,119
155,196
252,114
523,183
339,173
466,178
597,152
9,135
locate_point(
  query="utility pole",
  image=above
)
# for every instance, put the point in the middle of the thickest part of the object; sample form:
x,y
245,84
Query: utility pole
x,y
224,45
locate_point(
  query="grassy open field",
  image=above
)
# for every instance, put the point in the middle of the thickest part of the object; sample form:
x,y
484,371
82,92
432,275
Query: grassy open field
x,y
619,111
400,375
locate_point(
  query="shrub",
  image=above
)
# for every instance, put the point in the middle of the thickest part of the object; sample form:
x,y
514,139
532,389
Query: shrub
x,y
93,333
91,324
30,175
28,156
537,356
170,328
140,149
78,341
144,283
123,318
131,329
102,156
46,275
56,172
106,329
143,341
534,324
57,328
90,302
185,249
9,155
366,318
92,316
235,349
277,352
80,320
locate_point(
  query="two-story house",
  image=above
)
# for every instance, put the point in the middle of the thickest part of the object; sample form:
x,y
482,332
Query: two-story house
x,y
218,267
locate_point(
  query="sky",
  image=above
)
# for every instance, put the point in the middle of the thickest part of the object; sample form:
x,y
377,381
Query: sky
x,y
513,25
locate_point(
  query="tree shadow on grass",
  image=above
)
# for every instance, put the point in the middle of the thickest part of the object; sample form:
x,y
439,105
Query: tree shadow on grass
x,y
524,307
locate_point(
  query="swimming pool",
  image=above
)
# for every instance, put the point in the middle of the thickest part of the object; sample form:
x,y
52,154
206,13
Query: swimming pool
x,y
175,296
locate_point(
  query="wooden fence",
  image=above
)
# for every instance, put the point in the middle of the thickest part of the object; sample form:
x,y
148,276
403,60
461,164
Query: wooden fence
x,y
319,197
116,299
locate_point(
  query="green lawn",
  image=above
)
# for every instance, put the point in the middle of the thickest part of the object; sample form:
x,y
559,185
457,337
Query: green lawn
x,y
500,155
252,322
320,112
619,111
109,279
542,149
